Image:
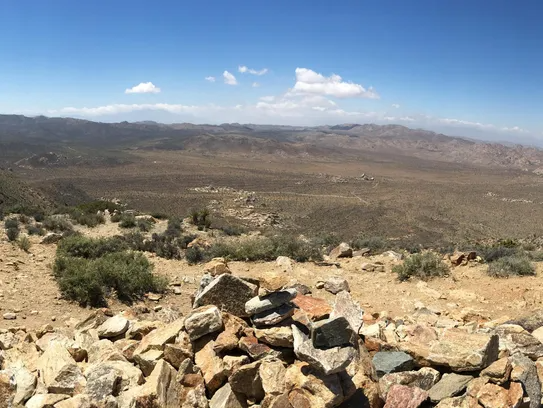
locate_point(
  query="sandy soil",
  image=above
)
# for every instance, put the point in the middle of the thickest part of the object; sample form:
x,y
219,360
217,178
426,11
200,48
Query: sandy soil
x,y
28,288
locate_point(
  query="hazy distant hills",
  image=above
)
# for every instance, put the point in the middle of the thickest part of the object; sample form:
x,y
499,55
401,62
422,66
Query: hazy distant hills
x,y
25,141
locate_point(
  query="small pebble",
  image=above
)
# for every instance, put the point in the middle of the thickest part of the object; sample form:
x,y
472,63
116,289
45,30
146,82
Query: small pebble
x,y
10,316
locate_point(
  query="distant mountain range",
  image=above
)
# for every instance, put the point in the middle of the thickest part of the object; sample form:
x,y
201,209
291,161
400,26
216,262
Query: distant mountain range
x,y
39,141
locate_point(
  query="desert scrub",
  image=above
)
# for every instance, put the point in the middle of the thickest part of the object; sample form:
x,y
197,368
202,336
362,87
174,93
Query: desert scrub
x,y
35,230
267,249
232,230
375,244
194,255
88,271
517,265
425,265
201,218
90,248
174,228
12,234
11,223
127,221
145,224
57,223
24,243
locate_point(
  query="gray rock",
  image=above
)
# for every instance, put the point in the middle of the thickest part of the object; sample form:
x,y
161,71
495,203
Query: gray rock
x,y
332,333
59,371
228,293
335,284
329,361
514,339
387,362
113,327
530,322
10,316
273,316
302,289
103,381
51,238
345,306
261,304
425,378
203,320
226,398
450,385
525,372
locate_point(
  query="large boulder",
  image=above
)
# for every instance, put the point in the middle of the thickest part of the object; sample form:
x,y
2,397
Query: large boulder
x,y
158,338
59,371
529,322
425,378
212,366
227,398
280,336
343,250
345,306
450,385
525,371
103,380
333,332
246,381
229,293
25,382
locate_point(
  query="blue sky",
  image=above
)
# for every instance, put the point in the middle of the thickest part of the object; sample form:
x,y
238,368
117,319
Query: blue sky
x,y
471,68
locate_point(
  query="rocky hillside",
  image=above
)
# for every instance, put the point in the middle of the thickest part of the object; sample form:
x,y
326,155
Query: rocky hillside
x,y
270,343
42,142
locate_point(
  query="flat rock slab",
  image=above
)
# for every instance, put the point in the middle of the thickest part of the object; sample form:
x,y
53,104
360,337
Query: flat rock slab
x,y
387,362
261,304
332,333
273,316
425,378
346,307
229,293
450,385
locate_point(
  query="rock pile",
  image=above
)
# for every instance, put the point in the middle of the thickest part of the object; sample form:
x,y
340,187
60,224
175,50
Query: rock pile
x,y
261,343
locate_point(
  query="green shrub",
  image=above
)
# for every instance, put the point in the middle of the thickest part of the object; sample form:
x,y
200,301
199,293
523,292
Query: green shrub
x,y
375,244
94,207
194,255
493,253
174,228
233,230
536,256
185,240
144,224
164,246
89,220
88,270
127,221
11,223
116,217
39,216
201,218
267,249
24,219
135,241
57,223
24,243
90,248
35,230
424,265
511,266
13,234
328,240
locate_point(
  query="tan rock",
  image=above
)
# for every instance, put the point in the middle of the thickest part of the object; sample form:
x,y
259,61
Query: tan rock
x,y
217,266
147,361
202,321
158,338
226,398
212,366
246,381
309,387
272,376
493,396
233,328
104,350
78,401
141,328
59,371
276,336
175,354
45,400
499,371
232,363
459,402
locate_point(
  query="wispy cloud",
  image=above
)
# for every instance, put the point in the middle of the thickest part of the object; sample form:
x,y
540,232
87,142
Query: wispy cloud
x,y
311,82
210,78
229,78
144,87
395,105
244,70
256,84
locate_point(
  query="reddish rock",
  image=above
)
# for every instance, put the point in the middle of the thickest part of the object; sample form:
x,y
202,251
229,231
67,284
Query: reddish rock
x,y
405,397
315,308
255,349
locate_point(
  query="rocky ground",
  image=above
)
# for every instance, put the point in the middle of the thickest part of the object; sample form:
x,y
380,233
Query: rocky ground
x,y
275,334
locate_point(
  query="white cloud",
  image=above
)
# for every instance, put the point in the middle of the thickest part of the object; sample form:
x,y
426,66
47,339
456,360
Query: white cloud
x,y
395,105
256,84
270,98
244,70
229,79
311,82
210,78
144,87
